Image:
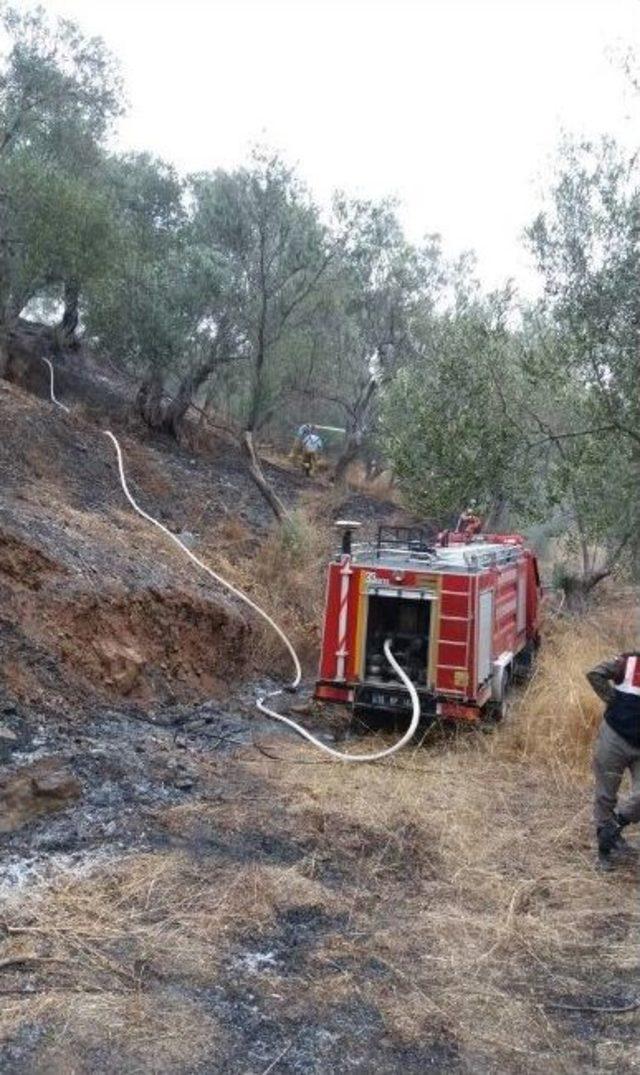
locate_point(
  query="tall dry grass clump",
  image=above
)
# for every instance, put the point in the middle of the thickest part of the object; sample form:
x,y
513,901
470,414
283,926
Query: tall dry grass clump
x,y
291,573
558,715
285,575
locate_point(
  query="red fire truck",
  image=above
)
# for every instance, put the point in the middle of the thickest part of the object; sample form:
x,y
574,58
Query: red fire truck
x,y
461,615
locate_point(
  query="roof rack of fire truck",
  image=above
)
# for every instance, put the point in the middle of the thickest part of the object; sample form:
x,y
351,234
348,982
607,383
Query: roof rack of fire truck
x,y
410,543
403,538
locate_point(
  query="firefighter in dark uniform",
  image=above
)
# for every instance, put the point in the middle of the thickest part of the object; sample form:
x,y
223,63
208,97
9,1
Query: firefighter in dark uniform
x,y
617,749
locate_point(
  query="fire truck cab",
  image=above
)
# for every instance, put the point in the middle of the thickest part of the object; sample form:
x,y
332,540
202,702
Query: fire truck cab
x,y
461,615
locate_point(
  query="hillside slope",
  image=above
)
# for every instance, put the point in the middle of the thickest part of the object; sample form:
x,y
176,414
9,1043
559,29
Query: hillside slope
x,y
95,602
186,890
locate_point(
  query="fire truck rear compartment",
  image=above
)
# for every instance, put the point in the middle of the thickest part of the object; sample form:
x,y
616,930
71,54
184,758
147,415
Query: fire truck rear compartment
x,y
406,622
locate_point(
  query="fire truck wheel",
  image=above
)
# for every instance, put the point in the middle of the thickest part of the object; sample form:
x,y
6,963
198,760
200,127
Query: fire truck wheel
x,y
524,661
497,709
494,712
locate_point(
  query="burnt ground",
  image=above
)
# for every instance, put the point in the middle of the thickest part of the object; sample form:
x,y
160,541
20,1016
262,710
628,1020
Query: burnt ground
x,y
185,890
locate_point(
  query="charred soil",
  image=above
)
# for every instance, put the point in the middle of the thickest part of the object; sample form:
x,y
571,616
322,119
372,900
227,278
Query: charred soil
x,y
184,890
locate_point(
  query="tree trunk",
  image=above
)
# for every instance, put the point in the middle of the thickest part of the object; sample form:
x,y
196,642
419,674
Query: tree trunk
x,y
355,436
149,401
578,589
4,352
168,414
498,515
350,453
71,316
257,473
175,409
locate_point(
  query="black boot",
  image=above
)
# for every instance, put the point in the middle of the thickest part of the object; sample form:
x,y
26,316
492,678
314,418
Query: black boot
x,y
621,847
608,835
605,862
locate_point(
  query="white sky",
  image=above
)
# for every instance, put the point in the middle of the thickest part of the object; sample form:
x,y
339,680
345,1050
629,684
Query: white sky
x,y
454,106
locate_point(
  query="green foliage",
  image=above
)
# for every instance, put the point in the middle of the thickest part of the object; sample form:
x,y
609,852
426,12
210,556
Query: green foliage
x,y
142,309
236,284
296,538
587,245
444,423
262,226
59,93
562,576
59,90
62,226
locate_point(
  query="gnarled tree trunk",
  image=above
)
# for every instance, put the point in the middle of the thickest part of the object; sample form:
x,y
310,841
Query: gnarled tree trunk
x,y
358,422
578,589
498,514
150,401
71,315
167,413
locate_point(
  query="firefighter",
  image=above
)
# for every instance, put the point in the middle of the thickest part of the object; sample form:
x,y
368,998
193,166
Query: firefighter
x,y
311,450
617,748
469,522
297,449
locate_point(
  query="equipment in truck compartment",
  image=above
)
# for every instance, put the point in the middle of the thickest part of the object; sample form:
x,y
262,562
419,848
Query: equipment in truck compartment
x,y
462,619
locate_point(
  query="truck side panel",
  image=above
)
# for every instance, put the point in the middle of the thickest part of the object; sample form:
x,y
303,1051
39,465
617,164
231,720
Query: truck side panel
x,y
506,605
330,628
486,619
356,624
533,594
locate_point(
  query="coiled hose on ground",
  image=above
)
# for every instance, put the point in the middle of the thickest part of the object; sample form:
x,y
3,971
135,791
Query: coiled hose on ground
x,y
295,683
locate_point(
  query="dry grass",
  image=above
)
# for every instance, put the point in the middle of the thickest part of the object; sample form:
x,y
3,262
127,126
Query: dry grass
x,y
106,955
471,887
382,487
133,1033
558,714
286,576
455,888
471,874
144,919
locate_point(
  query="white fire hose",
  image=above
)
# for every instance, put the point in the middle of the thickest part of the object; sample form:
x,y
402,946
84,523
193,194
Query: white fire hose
x,y
260,702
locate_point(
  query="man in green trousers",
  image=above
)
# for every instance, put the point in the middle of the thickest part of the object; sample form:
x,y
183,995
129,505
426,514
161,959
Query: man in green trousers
x,y
617,749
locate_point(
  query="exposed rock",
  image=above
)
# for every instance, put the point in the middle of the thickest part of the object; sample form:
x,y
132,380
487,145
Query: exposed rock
x,y
40,788
122,664
56,783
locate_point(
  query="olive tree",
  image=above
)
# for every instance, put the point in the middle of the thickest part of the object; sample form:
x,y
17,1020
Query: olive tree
x,y
59,94
275,253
